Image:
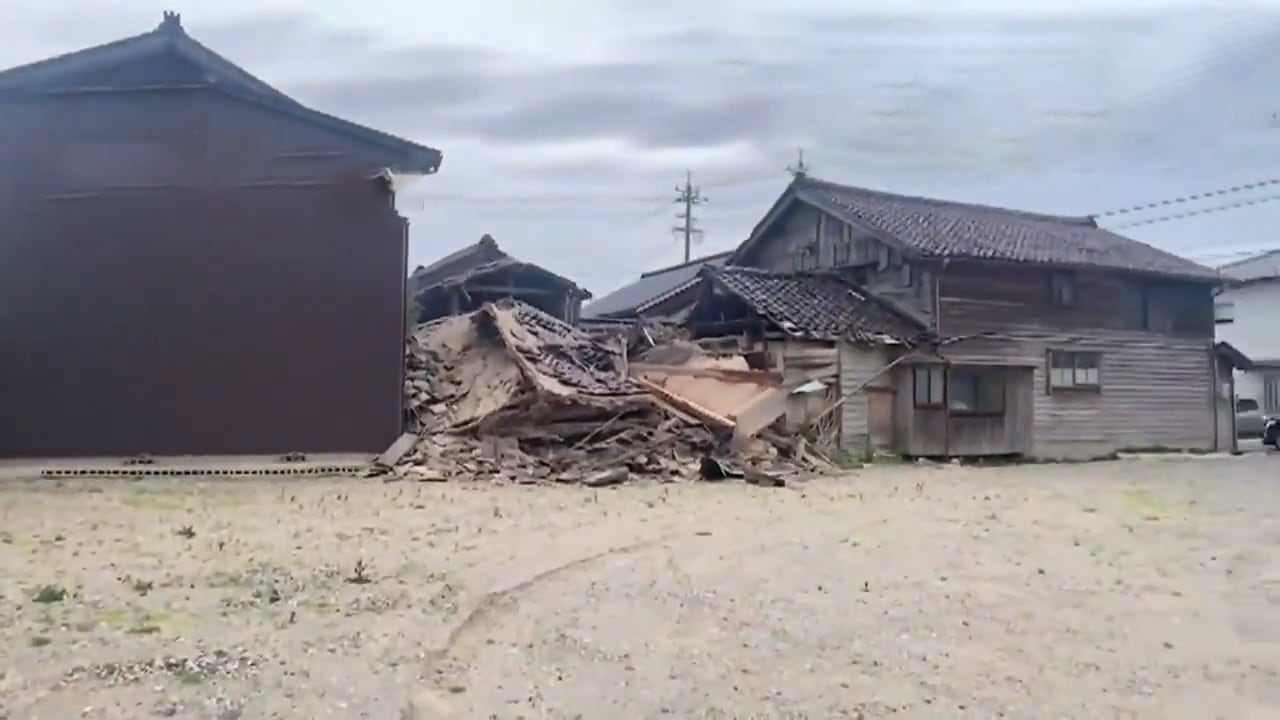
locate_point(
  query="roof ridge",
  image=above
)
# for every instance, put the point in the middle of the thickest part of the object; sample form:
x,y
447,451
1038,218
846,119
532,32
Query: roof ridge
x,y
690,263
1087,220
1251,258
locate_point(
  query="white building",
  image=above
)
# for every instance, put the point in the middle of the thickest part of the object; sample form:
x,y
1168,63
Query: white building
x,y
1248,316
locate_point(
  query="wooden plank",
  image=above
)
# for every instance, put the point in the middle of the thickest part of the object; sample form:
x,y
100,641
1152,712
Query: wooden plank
x,y
759,415
397,450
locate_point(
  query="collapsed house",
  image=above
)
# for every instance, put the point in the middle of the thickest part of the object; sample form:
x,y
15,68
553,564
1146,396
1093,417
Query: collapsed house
x,y
824,336
464,281
508,392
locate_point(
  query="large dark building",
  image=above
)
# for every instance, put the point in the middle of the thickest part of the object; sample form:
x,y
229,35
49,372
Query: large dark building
x,y
192,262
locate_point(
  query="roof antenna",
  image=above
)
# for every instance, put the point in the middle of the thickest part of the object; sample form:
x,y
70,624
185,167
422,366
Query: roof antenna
x,y
800,170
172,22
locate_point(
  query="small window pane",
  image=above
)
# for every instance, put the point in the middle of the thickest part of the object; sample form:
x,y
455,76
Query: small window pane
x,y
1090,376
937,378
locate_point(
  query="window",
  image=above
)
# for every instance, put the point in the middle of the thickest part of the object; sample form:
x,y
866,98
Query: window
x,y
1074,370
975,392
1137,306
1062,288
885,257
1244,405
906,274
929,381
1224,312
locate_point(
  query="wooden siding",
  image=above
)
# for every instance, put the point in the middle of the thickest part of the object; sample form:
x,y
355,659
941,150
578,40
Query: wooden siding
x,y
1157,383
859,364
982,297
803,361
805,238
794,234
1156,391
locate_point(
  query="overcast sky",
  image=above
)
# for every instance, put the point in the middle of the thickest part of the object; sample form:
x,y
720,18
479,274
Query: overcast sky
x,y
566,124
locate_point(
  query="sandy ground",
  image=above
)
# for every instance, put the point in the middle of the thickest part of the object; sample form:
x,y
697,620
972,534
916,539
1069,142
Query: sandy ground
x,y
1136,588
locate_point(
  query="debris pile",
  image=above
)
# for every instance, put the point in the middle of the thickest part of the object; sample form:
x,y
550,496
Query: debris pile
x,y
509,393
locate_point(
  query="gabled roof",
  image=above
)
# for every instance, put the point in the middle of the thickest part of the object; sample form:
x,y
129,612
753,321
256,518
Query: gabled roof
x,y
481,258
484,251
1264,266
58,75
816,305
652,288
932,228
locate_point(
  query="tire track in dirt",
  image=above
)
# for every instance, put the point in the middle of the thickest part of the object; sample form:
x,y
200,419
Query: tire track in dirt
x,y
465,640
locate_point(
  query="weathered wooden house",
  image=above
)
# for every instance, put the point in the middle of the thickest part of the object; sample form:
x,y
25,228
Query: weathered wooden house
x,y
468,278
193,262
663,295
1050,336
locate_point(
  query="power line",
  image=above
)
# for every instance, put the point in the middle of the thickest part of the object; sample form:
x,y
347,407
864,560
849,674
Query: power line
x,y
1188,198
1202,211
690,197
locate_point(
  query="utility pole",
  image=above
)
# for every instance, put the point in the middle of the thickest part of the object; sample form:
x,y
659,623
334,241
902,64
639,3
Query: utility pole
x,y
800,169
690,197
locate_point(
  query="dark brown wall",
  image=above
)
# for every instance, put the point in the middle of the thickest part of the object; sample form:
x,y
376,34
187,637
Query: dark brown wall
x,y
989,296
201,311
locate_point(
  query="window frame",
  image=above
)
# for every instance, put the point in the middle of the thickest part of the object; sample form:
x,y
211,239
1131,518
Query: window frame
x,y
1062,288
1075,365
979,377
933,371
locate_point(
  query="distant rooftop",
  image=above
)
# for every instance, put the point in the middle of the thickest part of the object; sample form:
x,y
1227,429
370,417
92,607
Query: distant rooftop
x,y
1263,266
652,287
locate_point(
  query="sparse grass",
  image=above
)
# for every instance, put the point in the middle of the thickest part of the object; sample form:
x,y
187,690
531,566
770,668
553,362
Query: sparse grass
x,y
360,574
50,594
37,641
186,531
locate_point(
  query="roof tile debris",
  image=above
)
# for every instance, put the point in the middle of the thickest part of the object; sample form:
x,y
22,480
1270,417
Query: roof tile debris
x,y
817,305
947,229
510,393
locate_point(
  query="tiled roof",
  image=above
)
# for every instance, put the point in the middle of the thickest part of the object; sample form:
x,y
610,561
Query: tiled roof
x,y
217,74
1259,267
946,229
821,305
651,286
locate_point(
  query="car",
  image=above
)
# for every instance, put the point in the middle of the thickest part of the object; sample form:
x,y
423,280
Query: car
x,y
1249,418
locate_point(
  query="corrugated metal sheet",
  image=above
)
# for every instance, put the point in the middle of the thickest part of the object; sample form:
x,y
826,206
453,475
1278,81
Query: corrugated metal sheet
x,y
650,287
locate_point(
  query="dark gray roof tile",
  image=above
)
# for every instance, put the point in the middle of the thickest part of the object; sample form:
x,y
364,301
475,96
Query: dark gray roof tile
x,y
818,305
947,229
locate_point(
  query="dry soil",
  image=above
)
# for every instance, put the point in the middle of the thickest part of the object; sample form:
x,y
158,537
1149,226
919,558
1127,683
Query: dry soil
x,y
1136,588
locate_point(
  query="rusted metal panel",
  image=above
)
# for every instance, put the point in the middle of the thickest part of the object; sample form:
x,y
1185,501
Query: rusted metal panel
x,y
250,304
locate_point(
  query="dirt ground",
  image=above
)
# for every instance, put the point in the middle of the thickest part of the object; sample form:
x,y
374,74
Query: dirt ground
x,y
1135,588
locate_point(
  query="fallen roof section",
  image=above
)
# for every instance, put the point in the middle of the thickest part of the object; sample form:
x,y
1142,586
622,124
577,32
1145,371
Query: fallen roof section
x,y
652,288
814,305
935,228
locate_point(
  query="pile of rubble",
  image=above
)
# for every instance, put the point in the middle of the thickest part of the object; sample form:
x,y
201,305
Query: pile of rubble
x,y
510,393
